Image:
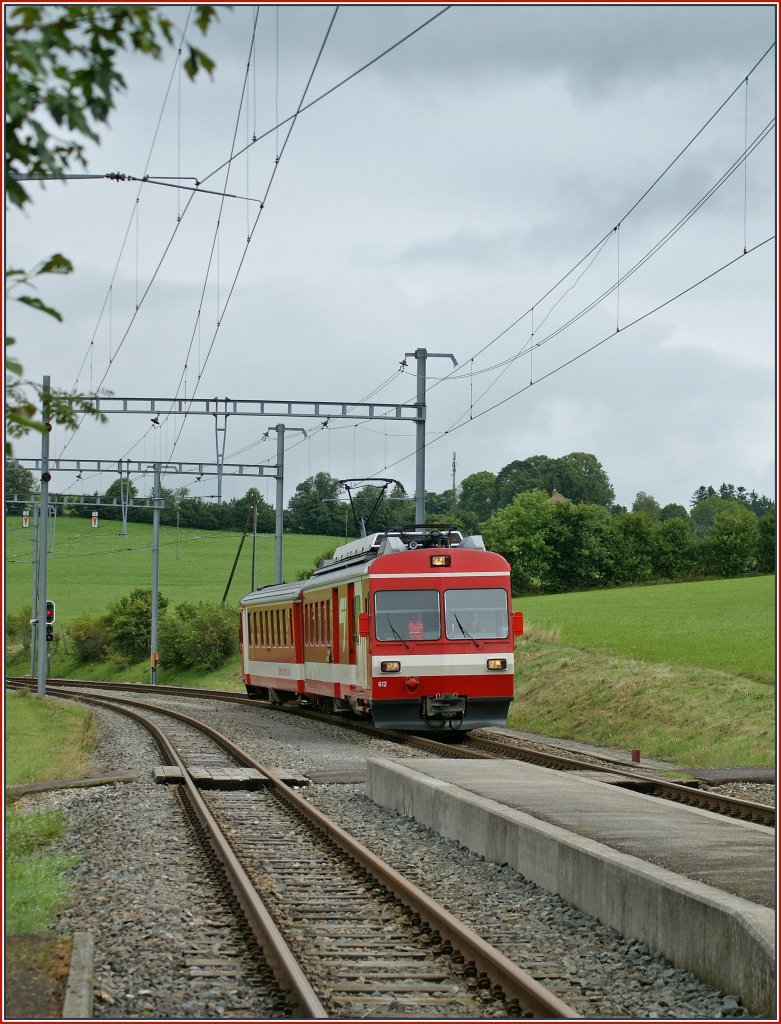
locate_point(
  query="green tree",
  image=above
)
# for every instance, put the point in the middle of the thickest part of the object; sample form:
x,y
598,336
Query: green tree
x,y
648,505
199,636
477,499
107,509
673,511
129,624
391,510
700,495
633,533
60,68
733,541
581,541
767,541
520,532
579,476
18,483
674,551
534,473
316,507
266,515
704,513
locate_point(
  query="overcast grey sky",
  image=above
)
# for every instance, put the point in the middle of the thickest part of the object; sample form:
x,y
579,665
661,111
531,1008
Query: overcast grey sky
x,y
431,202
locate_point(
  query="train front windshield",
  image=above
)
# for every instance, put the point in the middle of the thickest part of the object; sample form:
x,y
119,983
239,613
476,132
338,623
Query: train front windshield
x,y
415,614
478,614
407,615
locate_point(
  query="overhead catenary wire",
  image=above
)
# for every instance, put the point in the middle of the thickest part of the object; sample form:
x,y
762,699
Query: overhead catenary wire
x,y
177,64
181,214
591,348
257,218
648,255
339,84
620,278
528,348
610,232
279,124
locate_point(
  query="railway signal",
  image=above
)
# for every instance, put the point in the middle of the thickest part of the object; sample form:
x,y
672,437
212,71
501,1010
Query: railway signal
x,y
50,610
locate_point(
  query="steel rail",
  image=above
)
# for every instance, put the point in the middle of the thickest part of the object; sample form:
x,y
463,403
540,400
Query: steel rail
x,y
286,968
514,981
692,795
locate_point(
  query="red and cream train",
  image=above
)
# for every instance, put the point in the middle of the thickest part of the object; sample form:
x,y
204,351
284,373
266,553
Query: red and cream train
x,y
413,630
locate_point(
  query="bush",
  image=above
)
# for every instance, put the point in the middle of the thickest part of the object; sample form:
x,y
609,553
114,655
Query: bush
x,y
90,638
129,624
199,636
17,627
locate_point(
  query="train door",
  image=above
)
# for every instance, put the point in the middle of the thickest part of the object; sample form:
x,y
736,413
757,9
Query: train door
x,y
362,656
352,624
336,640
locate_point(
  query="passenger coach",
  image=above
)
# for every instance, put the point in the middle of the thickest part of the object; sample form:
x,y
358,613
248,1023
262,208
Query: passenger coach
x,y
413,630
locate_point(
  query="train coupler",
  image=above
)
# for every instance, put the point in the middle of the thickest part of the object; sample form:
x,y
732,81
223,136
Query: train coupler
x,y
443,707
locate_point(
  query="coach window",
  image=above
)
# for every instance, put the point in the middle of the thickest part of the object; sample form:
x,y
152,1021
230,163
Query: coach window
x,y
404,615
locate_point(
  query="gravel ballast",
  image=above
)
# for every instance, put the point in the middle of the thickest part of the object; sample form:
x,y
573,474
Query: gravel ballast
x,y
139,882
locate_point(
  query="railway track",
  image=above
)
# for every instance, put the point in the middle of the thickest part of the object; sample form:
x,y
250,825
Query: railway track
x,y
345,934
482,747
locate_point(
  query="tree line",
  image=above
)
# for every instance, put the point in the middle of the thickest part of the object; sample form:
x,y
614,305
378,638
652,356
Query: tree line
x,y
555,520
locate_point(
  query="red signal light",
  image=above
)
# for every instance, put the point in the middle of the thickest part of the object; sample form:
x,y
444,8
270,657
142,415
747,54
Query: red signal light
x,y
50,612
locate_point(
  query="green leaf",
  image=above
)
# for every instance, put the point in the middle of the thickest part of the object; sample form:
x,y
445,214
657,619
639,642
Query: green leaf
x,y
36,303
56,264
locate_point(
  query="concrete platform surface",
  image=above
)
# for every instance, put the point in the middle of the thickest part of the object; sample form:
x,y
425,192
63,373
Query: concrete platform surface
x,y
666,874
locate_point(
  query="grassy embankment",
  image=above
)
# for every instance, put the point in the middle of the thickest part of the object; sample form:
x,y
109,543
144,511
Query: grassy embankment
x,y
684,672
45,739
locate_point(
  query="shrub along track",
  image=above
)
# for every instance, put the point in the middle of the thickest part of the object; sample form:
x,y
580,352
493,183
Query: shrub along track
x,y
344,933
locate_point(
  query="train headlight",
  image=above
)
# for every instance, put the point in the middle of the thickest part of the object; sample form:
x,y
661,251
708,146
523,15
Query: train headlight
x,y
390,666
496,664
440,560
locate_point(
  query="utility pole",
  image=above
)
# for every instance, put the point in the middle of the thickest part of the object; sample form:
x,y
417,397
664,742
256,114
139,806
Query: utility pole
x,y
254,536
34,602
421,355
155,572
42,545
280,429
124,497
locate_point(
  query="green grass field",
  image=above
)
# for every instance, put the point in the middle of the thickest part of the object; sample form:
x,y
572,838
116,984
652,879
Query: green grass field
x,y
720,624
91,568
682,671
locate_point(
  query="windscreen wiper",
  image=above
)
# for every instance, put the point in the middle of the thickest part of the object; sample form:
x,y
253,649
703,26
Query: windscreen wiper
x,y
395,633
467,635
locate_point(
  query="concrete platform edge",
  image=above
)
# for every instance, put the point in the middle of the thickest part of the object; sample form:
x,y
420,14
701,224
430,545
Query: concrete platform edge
x,y
78,1002
665,910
